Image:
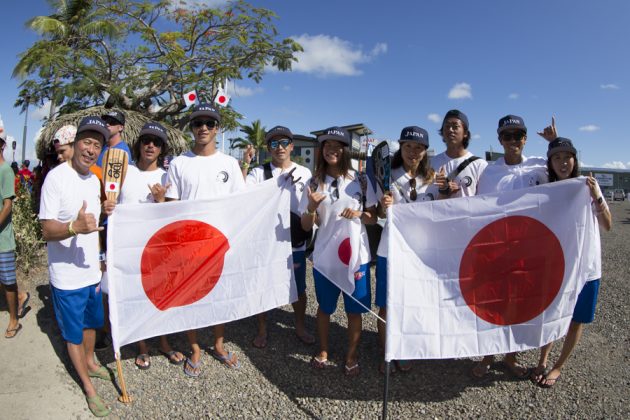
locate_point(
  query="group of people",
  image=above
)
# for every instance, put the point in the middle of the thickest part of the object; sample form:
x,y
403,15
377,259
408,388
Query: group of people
x,y
72,204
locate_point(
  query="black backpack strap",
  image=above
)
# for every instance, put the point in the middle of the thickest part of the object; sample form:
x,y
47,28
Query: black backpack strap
x,y
461,167
267,171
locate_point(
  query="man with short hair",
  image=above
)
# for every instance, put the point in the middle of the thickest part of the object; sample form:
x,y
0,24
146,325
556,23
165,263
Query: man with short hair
x,y
513,171
202,173
7,242
69,212
457,170
115,121
280,145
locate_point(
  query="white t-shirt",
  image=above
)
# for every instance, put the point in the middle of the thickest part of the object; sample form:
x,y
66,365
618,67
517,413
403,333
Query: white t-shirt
x,y
257,176
401,193
350,196
594,264
73,262
135,189
194,177
499,176
468,179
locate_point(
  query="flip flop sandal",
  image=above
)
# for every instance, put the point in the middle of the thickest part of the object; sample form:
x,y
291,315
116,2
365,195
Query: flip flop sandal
x,y
225,359
13,332
170,355
544,384
97,406
24,308
100,373
320,363
192,369
353,370
538,374
514,371
145,361
480,370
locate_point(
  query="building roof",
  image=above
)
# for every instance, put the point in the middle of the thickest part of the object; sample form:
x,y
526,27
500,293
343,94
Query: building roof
x,y
360,129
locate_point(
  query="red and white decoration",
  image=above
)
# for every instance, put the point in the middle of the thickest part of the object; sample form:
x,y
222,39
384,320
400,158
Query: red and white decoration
x,y
337,257
112,186
222,97
191,264
190,97
489,274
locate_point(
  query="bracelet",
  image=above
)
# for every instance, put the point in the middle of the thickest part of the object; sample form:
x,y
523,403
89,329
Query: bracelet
x,y
71,231
244,165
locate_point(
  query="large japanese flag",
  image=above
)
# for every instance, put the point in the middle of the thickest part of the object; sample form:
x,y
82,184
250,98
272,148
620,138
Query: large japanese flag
x,y
190,264
485,275
336,253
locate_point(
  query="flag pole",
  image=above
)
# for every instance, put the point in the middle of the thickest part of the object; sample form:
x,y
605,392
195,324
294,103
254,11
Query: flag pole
x,y
386,390
124,398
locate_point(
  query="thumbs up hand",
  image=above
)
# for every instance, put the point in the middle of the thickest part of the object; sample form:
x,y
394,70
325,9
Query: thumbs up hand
x,y
85,222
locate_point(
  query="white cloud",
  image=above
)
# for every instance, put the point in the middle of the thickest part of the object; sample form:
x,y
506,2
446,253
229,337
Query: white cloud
x,y
616,165
460,91
590,128
513,96
476,136
326,55
243,91
433,117
609,86
43,111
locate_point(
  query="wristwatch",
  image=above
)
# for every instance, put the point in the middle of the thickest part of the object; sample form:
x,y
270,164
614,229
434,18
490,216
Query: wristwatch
x,y
600,200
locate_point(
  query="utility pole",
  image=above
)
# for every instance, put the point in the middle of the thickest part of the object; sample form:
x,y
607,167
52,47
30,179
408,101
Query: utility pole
x,y
28,98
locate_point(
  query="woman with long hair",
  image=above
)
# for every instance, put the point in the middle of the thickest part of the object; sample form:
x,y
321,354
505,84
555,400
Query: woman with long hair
x,y
562,164
339,199
411,181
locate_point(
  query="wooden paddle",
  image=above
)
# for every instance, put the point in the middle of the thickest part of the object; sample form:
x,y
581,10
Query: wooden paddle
x,y
115,164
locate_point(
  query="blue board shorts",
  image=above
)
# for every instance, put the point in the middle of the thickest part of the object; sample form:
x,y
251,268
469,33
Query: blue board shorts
x,y
7,268
381,282
328,294
584,311
299,271
77,310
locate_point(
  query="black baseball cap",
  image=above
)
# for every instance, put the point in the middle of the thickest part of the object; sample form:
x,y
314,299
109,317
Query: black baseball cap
x,y
94,123
335,133
114,115
456,113
278,131
154,129
511,122
560,144
414,134
205,110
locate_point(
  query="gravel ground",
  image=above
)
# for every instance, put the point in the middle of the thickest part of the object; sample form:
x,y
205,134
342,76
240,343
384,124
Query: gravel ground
x,y
277,382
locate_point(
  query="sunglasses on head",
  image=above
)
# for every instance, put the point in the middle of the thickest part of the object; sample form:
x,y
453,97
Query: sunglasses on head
x,y
208,123
517,135
283,142
157,142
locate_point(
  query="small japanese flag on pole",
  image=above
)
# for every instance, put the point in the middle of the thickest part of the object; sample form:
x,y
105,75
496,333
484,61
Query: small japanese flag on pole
x,y
222,98
190,97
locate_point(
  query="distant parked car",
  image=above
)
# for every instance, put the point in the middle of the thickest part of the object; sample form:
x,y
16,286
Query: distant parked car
x,y
609,195
619,195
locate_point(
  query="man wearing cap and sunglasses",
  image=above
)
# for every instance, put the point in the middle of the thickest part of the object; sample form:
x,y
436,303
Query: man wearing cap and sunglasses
x,y
69,212
115,121
280,144
202,173
513,171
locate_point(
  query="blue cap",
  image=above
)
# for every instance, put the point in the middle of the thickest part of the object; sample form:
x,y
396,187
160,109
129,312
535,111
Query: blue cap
x,y
205,110
456,113
511,122
560,144
278,131
154,129
96,124
335,133
415,134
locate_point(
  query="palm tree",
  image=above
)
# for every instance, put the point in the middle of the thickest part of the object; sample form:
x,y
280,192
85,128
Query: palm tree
x,y
68,33
254,135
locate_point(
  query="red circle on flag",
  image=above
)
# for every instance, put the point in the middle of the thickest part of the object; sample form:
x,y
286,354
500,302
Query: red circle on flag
x,y
222,99
192,97
345,251
511,270
182,262
112,186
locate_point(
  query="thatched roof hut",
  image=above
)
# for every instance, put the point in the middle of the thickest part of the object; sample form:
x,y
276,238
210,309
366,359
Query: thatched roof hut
x,y
178,142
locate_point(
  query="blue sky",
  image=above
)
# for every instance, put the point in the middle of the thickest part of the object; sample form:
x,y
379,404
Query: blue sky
x,y
398,63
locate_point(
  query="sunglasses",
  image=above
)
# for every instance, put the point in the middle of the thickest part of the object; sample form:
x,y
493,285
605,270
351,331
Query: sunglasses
x,y
157,142
208,123
275,143
517,136
413,194
334,194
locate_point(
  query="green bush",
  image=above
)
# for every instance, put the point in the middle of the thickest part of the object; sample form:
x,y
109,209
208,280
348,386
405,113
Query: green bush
x,y
28,234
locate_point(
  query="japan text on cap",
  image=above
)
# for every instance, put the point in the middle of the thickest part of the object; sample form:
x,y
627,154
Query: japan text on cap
x,y
205,110
154,129
335,133
560,144
511,122
415,134
456,113
95,124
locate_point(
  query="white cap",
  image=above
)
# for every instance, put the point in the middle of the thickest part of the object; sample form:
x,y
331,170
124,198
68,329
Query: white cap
x,y
65,135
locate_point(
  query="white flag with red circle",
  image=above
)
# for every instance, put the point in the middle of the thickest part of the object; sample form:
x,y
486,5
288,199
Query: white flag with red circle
x,y
490,274
190,98
336,253
222,97
184,265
